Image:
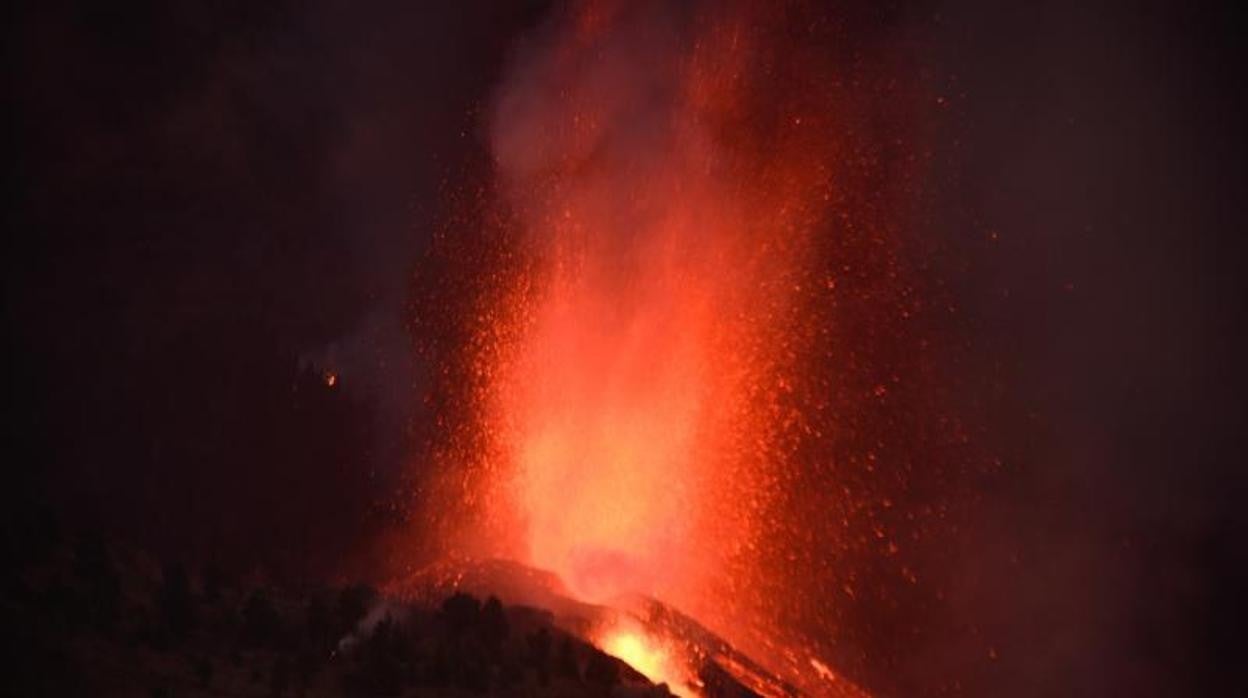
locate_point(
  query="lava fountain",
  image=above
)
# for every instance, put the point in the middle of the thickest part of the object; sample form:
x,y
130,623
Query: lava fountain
x,y
653,388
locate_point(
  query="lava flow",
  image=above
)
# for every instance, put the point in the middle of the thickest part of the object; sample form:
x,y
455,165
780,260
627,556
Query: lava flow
x,y
648,655
656,388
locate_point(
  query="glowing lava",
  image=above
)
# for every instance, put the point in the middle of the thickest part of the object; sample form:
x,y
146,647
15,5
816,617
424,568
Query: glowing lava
x,y
627,411
649,656
663,384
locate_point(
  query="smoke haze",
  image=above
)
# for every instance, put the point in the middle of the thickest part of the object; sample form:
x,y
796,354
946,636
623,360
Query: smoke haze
x,y
216,205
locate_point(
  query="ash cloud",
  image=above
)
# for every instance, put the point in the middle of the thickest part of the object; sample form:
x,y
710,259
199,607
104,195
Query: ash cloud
x,y
626,83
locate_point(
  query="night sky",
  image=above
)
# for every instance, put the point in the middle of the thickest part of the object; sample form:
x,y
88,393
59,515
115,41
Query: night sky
x,y
214,204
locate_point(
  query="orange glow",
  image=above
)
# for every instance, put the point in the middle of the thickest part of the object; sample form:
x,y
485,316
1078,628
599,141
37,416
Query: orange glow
x,y
648,656
628,410
660,392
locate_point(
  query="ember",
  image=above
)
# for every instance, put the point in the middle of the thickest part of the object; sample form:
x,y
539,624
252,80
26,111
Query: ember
x,y
648,656
666,337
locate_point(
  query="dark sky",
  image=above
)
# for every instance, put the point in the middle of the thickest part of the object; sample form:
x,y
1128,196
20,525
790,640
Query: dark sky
x,y
1103,146
209,198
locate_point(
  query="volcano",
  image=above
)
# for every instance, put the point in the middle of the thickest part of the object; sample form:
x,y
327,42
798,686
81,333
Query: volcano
x,y
658,641
674,332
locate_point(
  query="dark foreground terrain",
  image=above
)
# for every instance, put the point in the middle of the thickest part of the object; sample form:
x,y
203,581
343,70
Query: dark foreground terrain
x,y
85,616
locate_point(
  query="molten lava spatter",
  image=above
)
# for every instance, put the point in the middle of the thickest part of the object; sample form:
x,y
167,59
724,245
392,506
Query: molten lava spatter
x,y
690,324
649,656
632,412
666,256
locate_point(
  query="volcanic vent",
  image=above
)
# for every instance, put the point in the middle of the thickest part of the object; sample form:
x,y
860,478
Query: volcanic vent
x,y
643,326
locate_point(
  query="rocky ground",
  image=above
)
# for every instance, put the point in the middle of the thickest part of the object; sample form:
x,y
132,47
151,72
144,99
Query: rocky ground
x,y
86,617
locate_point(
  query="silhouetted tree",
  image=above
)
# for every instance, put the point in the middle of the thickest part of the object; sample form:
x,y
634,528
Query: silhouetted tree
x,y
30,533
602,670
203,671
214,580
494,627
384,660
261,623
307,663
402,645
565,661
176,602
539,651
94,568
510,673
379,640
438,672
279,680
317,624
461,613
353,603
